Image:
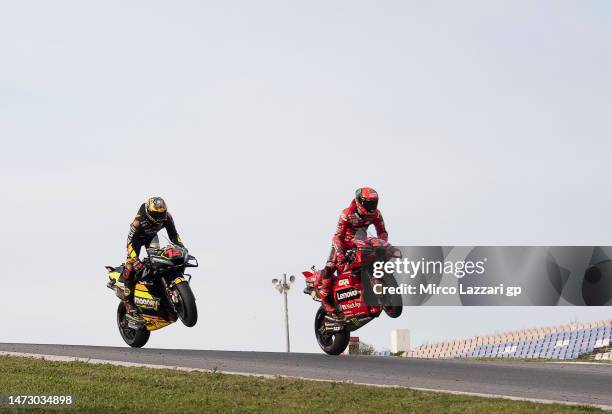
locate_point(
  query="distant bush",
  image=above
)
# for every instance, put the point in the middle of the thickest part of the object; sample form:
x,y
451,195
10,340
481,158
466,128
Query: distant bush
x,y
366,349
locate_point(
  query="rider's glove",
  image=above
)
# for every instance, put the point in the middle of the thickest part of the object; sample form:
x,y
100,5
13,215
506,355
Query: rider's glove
x,y
137,266
350,256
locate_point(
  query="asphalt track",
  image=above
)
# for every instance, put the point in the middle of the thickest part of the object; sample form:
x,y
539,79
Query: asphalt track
x,y
589,384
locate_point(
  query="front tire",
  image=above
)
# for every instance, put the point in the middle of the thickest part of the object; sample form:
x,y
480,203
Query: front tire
x,y
186,307
393,311
392,304
331,344
136,338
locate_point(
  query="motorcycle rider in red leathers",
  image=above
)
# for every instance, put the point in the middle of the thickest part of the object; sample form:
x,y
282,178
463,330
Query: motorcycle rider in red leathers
x,y
360,214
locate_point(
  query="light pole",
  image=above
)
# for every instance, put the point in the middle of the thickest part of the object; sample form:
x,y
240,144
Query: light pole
x,y
282,286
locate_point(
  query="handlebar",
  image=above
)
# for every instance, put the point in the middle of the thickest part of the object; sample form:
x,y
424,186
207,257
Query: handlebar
x,y
351,254
186,263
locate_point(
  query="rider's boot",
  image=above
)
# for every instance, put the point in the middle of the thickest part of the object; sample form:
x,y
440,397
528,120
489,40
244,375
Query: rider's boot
x,y
132,313
327,300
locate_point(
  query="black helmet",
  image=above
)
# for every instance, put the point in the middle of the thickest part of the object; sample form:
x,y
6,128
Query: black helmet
x,y
156,209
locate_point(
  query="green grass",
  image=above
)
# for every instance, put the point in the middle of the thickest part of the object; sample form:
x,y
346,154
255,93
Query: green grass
x,y
107,388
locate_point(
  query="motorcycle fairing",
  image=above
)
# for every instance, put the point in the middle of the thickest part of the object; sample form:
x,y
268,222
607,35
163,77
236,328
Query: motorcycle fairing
x,y
154,323
355,323
178,280
114,274
347,293
150,300
147,299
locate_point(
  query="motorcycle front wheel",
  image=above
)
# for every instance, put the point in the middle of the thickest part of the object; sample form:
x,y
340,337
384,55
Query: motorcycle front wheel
x,y
186,306
136,338
333,343
392,304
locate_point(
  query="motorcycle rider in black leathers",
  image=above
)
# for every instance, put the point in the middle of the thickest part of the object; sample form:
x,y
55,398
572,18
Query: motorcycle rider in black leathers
x,y
152,216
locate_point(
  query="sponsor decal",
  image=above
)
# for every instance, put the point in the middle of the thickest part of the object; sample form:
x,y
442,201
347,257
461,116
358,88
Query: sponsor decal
x,y
349,306
334,327
361,321
343,282
347,294
147,303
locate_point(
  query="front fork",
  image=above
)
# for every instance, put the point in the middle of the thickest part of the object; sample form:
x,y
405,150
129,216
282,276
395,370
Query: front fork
x,y
171,292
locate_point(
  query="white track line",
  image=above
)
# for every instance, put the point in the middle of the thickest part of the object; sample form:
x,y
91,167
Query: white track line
x,y
579,363
269,376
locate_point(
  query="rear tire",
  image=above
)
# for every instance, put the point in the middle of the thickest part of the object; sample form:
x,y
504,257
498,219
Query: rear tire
x,y
136,338
331,344
186,308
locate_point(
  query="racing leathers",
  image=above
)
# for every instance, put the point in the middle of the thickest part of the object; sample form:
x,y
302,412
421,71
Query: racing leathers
x,y
350,222
143,230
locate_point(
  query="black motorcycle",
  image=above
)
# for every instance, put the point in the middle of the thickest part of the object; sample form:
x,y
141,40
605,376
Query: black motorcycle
x,y
162,293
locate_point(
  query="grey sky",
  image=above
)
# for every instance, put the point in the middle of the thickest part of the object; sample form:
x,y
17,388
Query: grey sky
x,y
478,122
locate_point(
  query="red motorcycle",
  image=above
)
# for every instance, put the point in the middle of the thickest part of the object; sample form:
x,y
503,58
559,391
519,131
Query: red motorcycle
x,y
350,294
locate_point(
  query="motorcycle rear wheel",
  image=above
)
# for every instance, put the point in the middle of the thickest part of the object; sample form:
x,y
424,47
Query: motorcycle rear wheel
x,y
331,344
186,307
136,338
